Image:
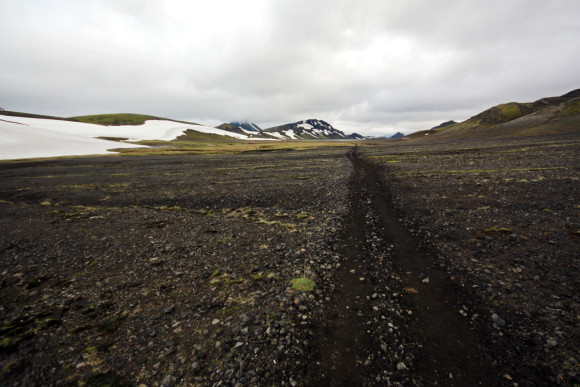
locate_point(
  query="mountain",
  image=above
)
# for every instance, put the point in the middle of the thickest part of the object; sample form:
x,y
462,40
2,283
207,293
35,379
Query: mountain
x,y
550,115
309,130
240,127
249,129
356,136
397,135
247,126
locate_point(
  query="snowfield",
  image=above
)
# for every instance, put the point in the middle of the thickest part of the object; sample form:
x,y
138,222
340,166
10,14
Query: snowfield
x,y
23,137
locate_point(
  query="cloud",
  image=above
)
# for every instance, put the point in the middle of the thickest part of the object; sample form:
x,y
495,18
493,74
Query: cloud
x,y
369,65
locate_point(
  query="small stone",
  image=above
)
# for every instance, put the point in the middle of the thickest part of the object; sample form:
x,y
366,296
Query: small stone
x,y
195,367
498,320
215,321
178,330
551,342
170,309
293,382
168,381
401,366
426,280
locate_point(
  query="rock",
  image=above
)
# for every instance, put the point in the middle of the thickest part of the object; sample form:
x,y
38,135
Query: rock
x,y
401,366
497,320
426,280
215,321
168,381
293,382
551,342
169,310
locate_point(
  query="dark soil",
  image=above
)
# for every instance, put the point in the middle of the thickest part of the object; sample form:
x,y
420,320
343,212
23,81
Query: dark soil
x,y
435,263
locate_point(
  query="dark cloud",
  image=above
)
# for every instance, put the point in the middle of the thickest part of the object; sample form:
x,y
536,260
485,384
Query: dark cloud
x,y
370,66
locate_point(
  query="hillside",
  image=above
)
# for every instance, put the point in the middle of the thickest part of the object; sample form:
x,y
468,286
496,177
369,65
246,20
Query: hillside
x,y
309,130
250,130
551,115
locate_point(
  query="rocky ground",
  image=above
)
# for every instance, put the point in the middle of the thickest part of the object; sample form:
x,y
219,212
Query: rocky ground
x,y
453,263
501,219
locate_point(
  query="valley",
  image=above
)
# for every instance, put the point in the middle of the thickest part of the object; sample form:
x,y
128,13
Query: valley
x,y
452,261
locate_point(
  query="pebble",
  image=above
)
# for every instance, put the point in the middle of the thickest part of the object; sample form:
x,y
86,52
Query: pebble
x,y
426,280
401,366
498,320
168,381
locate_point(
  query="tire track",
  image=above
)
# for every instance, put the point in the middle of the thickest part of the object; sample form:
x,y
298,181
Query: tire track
x,y
450,353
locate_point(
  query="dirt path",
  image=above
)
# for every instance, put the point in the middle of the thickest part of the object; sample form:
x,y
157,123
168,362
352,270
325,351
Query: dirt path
x,y
450,352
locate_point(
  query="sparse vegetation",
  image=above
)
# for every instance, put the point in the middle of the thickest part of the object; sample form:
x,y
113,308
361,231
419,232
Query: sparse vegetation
x,y
303,284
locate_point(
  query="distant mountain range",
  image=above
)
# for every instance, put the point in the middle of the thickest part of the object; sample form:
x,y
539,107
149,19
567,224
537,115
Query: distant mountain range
x,y
302,130
551,115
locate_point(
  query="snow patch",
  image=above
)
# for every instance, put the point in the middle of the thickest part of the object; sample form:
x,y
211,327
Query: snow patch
x,y
25,137
290,133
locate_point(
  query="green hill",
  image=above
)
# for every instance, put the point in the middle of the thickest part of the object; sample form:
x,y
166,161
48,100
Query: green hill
x,y
554,115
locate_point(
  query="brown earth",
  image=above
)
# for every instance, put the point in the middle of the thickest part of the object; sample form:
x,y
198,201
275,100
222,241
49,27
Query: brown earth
x,y
451,263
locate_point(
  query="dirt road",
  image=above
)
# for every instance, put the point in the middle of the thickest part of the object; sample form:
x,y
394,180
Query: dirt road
x,y
450,352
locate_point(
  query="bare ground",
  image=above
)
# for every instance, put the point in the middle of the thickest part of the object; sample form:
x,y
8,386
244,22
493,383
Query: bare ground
x,y
451,263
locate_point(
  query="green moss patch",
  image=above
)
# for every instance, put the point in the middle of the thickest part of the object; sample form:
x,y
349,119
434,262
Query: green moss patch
x,y
303,284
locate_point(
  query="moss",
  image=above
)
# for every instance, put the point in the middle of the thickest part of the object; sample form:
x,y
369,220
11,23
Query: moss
x,y
10,343
573,108
303,284
116,119
497,229
510,111
46,323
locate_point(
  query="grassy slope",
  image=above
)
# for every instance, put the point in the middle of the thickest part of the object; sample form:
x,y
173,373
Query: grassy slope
x,y
547,116
29,115
121,119
234,146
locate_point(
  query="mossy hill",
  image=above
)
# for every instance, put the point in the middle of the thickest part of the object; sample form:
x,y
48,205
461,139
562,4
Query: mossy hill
x,y
117,119
551,115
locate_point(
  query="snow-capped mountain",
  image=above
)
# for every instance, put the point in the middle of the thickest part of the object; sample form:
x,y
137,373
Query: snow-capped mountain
x,y
248,129
309,130
247,126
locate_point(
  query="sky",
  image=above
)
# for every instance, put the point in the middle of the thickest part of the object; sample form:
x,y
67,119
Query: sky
x,y
369,66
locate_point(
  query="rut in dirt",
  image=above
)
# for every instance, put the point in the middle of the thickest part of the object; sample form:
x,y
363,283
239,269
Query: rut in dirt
x,y
450,353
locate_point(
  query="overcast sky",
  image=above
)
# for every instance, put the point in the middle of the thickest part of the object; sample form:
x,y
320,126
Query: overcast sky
x,y
370,66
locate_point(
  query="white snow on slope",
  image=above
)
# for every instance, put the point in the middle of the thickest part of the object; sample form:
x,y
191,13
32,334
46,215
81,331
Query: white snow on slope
x,y
290,133
24,137
278,135
305,126
27,141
